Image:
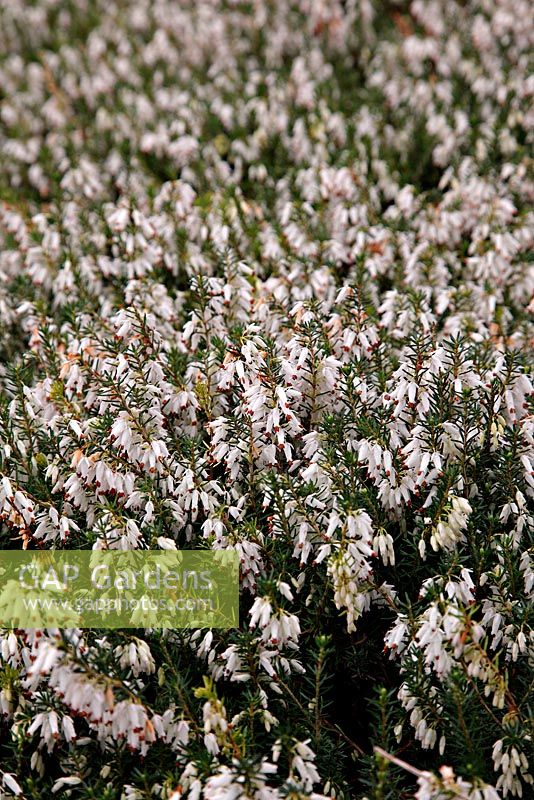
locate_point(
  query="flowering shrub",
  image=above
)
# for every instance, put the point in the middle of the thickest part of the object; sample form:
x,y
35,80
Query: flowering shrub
x,y
265,284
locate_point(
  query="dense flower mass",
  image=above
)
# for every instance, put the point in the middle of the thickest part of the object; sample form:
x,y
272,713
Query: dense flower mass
x,y
266,283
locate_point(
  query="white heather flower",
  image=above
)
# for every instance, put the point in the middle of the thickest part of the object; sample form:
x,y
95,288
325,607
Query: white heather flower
x,y
137,656
11,784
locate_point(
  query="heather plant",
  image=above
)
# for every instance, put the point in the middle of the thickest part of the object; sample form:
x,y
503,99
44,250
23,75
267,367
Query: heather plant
x,y
266,284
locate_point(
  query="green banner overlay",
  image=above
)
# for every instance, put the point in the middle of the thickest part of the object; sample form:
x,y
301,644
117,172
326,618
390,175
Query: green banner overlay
x,y
119,589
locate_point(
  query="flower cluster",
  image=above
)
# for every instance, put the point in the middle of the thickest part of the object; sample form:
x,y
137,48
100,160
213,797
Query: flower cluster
x,y
266,285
